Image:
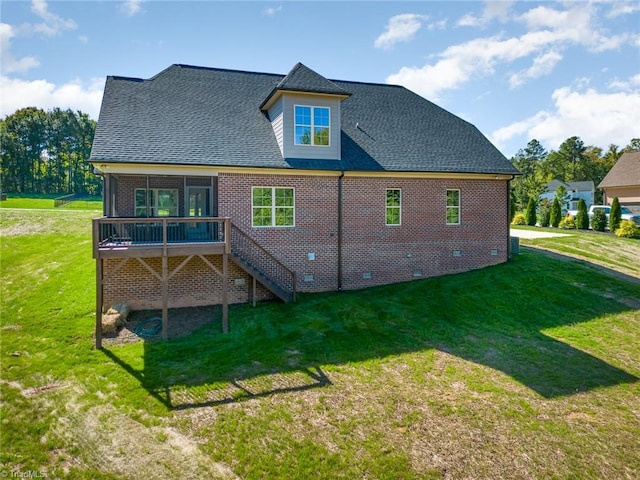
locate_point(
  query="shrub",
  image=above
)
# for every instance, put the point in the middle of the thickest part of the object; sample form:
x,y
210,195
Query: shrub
x,y
556,213
545,213
582,218
519,219
599,220
615,215
530,214
567,223
627,229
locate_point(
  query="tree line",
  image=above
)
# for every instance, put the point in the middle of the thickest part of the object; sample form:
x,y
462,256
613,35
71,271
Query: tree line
x,y
47,152
572,162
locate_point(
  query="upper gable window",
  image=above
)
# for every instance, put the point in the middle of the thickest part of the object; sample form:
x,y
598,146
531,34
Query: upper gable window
x,y
312,125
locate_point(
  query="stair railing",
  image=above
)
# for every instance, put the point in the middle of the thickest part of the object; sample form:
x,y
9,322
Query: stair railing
x,y
256,257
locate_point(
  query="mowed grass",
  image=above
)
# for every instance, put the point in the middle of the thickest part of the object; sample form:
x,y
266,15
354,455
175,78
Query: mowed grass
x,y
524,370
31,201
604,249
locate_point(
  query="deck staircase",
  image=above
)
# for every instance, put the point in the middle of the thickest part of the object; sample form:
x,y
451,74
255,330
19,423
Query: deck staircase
x,y
262,266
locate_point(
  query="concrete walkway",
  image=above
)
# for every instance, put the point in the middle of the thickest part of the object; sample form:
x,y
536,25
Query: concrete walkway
x,y
534,234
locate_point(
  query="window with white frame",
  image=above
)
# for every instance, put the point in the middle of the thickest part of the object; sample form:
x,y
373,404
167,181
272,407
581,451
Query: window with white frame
x,y
312,125
272,207
453,207
393,206
156,202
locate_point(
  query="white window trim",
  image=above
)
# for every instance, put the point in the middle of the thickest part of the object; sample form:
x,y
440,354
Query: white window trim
x,y
458,207
273,207
151,209
387,207
312,144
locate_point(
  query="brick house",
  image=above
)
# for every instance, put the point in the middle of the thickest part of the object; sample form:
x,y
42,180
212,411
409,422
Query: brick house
x,y
225,186
623,181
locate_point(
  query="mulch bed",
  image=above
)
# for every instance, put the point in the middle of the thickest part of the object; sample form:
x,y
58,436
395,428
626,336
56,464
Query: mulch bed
x,y
182,322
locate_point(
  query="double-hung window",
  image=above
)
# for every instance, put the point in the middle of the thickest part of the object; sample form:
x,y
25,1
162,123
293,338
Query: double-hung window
x,y
393,206
312,125
156,202
453,207
272,207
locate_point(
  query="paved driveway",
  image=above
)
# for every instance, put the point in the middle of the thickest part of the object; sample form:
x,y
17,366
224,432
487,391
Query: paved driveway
x,y
534,234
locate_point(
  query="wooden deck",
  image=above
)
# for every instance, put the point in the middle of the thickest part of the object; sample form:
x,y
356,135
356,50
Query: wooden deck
x,y
140,238
160,237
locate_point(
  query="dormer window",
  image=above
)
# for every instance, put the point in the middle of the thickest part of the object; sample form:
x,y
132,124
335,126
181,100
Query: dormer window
x,y
312,125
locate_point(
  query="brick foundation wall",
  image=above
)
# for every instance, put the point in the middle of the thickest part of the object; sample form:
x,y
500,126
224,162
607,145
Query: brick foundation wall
x,y
196,284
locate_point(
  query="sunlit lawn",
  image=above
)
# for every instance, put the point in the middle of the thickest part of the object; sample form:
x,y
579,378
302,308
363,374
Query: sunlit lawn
x,y
525,370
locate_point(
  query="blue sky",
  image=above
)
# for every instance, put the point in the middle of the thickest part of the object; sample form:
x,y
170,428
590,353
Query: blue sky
x,y
516,70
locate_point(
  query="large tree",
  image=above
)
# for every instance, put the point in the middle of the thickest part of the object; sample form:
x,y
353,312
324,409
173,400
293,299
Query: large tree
x,y
47,152
530,184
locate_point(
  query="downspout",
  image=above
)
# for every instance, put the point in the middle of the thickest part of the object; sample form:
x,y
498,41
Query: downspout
x,y
509,216
340,230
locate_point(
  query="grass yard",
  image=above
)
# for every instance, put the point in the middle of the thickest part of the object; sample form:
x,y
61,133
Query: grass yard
x,y
604,249
525,370
31,201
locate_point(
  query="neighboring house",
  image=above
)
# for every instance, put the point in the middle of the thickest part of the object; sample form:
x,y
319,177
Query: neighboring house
x,y
225,186
623,181
575,192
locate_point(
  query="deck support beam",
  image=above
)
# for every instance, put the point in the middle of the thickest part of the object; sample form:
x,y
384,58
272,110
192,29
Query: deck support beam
x,y
99,300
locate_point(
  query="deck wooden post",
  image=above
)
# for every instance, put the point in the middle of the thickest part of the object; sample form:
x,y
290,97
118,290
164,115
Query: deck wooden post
x,y
254,288
225,293
99,300
165,297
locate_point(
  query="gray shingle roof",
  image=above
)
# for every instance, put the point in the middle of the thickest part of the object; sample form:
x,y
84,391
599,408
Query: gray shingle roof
x,y
204,116
303,79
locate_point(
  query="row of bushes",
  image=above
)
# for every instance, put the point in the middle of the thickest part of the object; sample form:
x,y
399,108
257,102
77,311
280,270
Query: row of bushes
x,y
551,215
627,228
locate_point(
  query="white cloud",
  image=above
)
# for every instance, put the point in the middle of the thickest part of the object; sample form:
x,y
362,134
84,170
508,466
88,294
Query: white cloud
x,y
633,82
492,9
623,8
53,24
131,7
597,118
271,11
9,63
76,95
401,28
550,31
542,65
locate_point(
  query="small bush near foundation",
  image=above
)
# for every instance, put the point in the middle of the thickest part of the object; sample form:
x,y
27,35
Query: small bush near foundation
x,y
519,220
628,229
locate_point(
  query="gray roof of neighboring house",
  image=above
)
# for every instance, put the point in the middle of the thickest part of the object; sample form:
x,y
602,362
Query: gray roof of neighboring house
x,y
584,186
205,116
625,173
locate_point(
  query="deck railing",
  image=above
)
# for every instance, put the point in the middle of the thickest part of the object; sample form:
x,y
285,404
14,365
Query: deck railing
x,y
258,259
160,231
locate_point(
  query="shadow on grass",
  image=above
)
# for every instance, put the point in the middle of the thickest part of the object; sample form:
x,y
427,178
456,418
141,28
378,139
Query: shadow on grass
x,y
493,317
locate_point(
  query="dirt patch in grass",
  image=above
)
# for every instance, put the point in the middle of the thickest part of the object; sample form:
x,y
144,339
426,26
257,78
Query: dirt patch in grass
x,y
114,442
182,322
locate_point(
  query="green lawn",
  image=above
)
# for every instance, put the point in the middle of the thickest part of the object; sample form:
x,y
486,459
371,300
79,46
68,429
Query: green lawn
x,y
524,370
31,201
604,249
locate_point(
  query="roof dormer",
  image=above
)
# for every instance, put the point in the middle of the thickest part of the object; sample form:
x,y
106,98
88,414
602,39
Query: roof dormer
x,y
304,111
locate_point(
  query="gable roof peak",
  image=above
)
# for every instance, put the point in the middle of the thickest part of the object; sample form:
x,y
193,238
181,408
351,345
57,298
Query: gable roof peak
x,y
304,80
